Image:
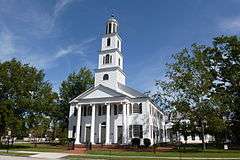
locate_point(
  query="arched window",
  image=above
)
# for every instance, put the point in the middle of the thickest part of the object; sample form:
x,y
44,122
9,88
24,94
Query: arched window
x,y
105,77
114,28
109,28
107,59
119,61
108,42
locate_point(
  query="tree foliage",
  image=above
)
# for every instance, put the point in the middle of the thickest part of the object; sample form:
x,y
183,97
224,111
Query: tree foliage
x,y
74,85
23,95
203,85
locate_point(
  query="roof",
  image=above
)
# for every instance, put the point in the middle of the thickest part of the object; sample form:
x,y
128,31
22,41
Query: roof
x,y
130,91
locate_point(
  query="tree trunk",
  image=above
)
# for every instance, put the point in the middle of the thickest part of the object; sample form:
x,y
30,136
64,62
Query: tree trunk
x,y
203,137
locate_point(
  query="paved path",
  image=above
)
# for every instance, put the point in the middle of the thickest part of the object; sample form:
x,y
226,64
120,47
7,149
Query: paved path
x,y
17,158
42,155
48,155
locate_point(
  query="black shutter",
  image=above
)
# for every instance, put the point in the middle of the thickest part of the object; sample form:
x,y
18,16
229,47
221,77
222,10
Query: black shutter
x,y
130,131
141,131
140,108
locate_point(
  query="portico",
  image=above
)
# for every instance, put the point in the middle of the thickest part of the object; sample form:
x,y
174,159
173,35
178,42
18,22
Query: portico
x,y
100,129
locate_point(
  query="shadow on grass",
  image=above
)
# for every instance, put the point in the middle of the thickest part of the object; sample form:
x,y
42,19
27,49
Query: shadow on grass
x,y
39,147
15,146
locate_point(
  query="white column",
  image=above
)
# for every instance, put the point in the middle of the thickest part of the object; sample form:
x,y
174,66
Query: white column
x,y
108,124
124,123
78,125
93,124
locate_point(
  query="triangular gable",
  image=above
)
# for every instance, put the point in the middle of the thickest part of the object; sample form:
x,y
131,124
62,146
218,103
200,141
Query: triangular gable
x,y
98,92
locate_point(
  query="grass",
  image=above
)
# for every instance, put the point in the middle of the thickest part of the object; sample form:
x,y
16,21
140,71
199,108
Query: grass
x,y
39,148
15,154
212,153
105,154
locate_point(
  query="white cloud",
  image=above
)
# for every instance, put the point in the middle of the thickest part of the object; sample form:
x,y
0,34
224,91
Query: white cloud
x,y
32,18
60,6
33,22
75,48
230,24
6,43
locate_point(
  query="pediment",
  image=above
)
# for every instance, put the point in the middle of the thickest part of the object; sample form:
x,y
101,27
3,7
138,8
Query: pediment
x,y
100,92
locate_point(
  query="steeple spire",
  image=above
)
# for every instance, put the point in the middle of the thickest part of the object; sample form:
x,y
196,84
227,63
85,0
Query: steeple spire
x,y
111,25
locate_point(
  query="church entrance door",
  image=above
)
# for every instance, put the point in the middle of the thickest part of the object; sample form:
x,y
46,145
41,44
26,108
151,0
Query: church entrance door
x,y
119,134
88,134
103,134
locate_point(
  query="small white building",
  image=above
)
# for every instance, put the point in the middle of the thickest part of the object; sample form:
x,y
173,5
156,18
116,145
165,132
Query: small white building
x,y
111,112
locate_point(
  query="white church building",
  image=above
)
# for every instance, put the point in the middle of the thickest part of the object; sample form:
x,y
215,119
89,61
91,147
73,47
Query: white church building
x,y
111,112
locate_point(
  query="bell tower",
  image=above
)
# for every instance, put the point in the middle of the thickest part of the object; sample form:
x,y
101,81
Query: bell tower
x,y
110,63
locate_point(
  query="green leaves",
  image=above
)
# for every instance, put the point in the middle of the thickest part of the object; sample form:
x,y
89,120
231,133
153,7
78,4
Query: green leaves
x,y
205,83
23,93
74,85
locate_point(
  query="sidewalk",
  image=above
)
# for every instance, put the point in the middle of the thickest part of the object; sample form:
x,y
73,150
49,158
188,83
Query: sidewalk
x,y
46,155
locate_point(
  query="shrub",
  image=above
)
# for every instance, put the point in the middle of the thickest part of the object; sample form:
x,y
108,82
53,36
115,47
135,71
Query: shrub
x,y
147,142
136,142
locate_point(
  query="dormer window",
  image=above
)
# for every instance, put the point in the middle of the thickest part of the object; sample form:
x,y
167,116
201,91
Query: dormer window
x,y
108,42
105,77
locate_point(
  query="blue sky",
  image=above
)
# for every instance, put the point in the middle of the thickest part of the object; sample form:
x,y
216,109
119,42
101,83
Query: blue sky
x,y
60,36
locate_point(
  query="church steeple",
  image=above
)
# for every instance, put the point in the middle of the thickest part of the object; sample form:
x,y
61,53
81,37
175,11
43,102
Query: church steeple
x,y
110,64
111,25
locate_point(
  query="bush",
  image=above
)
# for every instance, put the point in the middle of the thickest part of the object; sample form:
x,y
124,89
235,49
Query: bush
x,y
136,142
147,142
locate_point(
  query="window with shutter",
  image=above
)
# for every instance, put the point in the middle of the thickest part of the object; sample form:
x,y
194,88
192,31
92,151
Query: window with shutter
x,y
120,109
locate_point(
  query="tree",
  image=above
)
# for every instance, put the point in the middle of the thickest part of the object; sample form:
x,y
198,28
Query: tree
x,y
225,59
74,85
23,94
191,82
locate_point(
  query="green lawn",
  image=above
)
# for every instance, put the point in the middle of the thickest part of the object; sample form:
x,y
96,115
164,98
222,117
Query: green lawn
x,y
189,153
39,148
